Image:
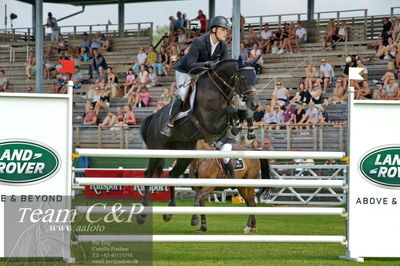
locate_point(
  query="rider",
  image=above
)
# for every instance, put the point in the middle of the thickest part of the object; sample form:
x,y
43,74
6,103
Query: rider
x,y
204,52
224,143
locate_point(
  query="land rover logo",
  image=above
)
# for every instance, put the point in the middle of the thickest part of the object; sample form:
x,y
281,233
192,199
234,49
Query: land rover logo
x,y
382,166
23,161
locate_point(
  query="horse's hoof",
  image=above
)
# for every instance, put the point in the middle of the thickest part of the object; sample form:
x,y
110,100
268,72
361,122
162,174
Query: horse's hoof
x,y
247,230
140,218
167,217
194,221
202,230
254,230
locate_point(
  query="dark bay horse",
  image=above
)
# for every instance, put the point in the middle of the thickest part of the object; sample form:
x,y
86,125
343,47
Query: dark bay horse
x,y
212,109
209,168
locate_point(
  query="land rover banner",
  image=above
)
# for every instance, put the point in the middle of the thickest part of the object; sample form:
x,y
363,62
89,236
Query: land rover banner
x,y
374,179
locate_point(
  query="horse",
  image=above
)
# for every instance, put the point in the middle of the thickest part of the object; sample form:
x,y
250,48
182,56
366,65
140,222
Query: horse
x,y
210,168
209,119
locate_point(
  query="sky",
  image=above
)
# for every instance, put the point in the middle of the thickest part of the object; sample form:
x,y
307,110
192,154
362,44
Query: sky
x,y
158,12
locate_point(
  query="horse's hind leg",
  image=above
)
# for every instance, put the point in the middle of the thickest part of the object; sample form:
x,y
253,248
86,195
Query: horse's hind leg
x,y
179,168
203,226
245,195
250,193
154,165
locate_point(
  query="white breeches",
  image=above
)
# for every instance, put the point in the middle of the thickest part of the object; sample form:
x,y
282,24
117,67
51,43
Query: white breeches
x,y
182,83
226,147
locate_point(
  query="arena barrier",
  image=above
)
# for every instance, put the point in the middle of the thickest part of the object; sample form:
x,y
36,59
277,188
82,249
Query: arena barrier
x,y
373,187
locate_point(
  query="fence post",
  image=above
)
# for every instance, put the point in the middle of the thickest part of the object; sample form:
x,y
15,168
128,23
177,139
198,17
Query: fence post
x,y
318,24
372,27
139,29
13,35
99,138
341,144
337,18
151,32
298,17
365,23
315,136
121,139
29,35
279,20
261,23
288,138
321,138
78,135
90,30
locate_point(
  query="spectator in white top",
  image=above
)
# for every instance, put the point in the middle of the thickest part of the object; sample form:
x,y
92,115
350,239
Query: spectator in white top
x,y
141,59
301,35
280,95
326,73
52,23
182,39
312,114
265,36
3,81
254,53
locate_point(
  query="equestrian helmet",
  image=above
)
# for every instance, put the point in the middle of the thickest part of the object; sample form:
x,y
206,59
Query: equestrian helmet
x,y
219,21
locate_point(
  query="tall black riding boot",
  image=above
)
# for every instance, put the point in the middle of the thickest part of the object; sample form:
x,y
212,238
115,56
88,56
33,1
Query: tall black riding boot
x,y
229,170
175,108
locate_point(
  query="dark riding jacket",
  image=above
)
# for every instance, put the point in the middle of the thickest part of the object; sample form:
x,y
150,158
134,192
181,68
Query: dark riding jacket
x,y
200,53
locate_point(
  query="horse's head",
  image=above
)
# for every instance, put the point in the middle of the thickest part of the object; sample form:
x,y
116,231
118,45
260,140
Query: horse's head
x,y
227,72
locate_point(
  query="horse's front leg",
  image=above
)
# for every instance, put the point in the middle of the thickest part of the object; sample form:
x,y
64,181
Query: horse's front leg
x,y
179,168
250,131
234,119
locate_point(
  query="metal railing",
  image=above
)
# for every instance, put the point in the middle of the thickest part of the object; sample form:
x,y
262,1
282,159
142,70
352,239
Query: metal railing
x,y
73,32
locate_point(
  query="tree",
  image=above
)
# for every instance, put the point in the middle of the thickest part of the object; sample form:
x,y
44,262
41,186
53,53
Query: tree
x,y
159,33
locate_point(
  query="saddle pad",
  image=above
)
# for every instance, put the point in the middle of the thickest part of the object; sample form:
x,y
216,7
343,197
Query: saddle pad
x,y
238,164
185,113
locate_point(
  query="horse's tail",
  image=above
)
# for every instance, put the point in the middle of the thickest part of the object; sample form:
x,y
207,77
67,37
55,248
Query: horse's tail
x,y
145,126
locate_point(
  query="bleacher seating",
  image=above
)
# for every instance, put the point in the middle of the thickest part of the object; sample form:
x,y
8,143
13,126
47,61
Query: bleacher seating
x,y
287,68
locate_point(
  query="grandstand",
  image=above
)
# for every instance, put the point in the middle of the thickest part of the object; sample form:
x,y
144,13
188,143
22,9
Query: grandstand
x,y
287,68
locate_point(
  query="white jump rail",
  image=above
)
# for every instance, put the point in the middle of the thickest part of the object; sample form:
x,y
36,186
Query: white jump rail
x,y
202,182
215,238
216,210
136,153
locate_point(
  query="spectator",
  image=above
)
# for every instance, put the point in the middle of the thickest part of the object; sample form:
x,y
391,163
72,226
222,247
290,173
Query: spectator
x,y
84,47
255,145
387,51
364,73
153,78
61,46
329,32
171,29
385,78
244,52
112,83
301,36
379,92
48,68
258,117
392,90
140,60
182,42
379,48
299,116
142,98
396,30
30,64
95,94
203,21
73,55
120,120
151,58
323,117
129,116
106,45
162,61
398,57
386,30
270,118
344,31
338,95
52,23
276,41
96,44
166,98
288,114
316,93
349,63
311,76
77,78
100,81
143,78
254,53
252,37
326,73
363,92
110,121
104,101
284,35
61,86
98,61
130,82
3,81
280,95
173,57
179,22
90,118
302,95
29,90
266,38
312,114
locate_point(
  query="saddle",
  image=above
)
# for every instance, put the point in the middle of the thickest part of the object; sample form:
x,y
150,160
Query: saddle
x,y
238,164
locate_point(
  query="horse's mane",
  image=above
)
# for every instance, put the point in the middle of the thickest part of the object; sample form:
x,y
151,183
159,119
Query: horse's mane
x,y
224,62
